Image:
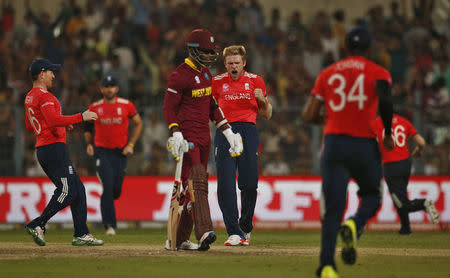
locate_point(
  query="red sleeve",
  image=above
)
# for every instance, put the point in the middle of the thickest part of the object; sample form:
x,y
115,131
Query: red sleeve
x,y
410,128
131,109
383,74
259,83
27,122
215,113
317,90
172,99
52,117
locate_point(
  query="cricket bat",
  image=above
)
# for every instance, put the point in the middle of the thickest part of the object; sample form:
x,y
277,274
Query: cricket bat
x,y
172,222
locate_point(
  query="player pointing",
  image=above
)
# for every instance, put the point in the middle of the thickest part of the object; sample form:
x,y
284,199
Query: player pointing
x,y
188,107
241,95
351,90
43,116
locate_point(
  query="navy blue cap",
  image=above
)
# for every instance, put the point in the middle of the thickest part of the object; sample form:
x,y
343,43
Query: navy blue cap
x,y
357,39
41,64
109,80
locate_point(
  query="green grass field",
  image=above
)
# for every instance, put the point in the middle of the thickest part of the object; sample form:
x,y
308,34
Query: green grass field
x,y
140,253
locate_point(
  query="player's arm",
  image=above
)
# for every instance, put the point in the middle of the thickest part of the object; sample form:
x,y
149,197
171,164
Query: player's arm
x,y
420,144
311,111
218,118
135,134
383,88
89,138
55,119
264,106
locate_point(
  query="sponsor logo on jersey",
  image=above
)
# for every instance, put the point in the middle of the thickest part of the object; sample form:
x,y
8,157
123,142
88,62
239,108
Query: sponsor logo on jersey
x,y
197,79
100,111
246,86
70,169
225,87
119,110
238,96
201,92
111,121
206,76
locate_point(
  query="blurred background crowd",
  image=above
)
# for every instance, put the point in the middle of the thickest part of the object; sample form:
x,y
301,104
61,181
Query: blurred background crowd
x,y
141,42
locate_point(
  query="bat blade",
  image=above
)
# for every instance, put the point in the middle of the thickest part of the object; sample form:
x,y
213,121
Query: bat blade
x,y
172,222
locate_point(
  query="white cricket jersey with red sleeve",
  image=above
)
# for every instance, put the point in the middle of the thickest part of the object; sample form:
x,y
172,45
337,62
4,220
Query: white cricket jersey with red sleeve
x,y
111,127
236,98
402,129
347,88
43,116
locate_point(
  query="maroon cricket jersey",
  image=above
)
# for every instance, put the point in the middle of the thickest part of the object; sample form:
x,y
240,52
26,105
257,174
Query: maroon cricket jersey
x,y
43,116
189,104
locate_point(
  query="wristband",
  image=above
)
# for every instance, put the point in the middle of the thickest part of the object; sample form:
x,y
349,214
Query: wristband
x,y
131,144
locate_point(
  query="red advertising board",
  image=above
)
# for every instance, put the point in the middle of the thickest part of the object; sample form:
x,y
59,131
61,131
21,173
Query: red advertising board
x,y
287,202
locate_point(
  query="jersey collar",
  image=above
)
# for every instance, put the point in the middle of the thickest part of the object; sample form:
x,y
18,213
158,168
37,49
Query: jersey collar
x,y
192,65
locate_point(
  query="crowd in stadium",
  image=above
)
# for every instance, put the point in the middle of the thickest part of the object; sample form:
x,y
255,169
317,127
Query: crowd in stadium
x,y
141,42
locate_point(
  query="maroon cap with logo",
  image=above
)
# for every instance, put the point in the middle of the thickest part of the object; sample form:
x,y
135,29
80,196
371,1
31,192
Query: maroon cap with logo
x,y
202,39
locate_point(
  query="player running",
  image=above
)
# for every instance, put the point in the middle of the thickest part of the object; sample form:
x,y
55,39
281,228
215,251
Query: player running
x,y
188,107
397,169
43,116
241,95
111,145
350,89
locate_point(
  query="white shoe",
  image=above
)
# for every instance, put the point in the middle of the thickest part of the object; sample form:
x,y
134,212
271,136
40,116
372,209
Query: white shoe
x,y
206,240
234,240
110,231
431,210
188,245
37,234
87,239
247,239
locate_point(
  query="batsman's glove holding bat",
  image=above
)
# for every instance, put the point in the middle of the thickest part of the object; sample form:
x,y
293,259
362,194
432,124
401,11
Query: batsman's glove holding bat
x,y
176,145
235,140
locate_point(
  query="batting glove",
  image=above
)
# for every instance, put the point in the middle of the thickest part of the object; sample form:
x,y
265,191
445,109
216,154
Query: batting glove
x,y
176,145
235,140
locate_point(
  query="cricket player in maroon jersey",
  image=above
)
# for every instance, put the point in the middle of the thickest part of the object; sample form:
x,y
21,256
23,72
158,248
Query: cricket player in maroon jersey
x,y
188,107
397,169
43,116
241,95
111,145
351,90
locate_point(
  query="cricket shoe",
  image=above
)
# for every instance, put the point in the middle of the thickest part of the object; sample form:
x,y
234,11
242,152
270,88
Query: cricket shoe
x,y
38,234
110,231
431,210
328,272
348,235
234,240
206,240
88,240
188,245
247,239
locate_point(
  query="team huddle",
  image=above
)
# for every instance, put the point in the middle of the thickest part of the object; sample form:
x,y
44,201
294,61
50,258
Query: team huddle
x,y
356,143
